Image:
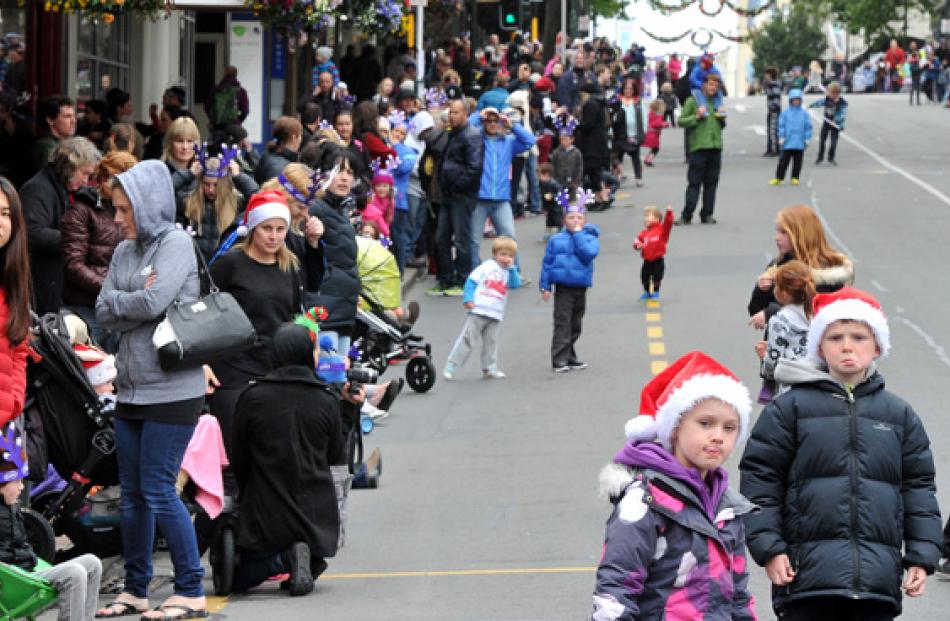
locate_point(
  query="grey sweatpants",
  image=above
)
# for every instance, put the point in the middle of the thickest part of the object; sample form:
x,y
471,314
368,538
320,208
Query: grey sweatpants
x,y
477,326
78,584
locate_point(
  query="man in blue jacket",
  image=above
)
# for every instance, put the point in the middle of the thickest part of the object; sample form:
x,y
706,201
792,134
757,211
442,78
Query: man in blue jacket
x,y
459,174
494,191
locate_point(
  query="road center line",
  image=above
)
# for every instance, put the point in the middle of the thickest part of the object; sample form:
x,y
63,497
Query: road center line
x,y
459,572
884,162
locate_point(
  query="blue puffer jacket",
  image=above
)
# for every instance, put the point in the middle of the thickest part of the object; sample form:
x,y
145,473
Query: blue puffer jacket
x,y
794,124
407,161
499,150
569,258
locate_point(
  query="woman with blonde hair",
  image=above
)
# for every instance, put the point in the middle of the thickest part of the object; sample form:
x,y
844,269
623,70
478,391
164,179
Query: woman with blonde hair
x,y
800,235
179,151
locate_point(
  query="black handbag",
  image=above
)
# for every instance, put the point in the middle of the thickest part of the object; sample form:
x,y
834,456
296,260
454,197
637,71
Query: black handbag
x,y
211,328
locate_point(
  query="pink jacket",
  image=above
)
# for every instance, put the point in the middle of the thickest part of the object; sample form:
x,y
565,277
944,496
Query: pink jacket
x,y
379,212
655,125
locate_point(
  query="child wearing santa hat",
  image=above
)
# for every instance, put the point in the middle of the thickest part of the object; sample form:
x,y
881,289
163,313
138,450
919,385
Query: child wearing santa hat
x,y
101,373
675,546
844,476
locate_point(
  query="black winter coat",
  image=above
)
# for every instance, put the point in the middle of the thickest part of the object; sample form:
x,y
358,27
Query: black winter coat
x,y
460,169
845,486
287,434
592,132
340,287
45,200
14,545
273,163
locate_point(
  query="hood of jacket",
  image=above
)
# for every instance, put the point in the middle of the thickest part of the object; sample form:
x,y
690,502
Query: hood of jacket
x,y
149,187
795,93
804,372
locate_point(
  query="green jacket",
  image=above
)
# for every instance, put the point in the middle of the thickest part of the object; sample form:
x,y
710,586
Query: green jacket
x,y
706,132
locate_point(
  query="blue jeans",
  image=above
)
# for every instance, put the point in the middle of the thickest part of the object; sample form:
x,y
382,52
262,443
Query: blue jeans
x,y
150,455
401,230
503,220
454,232
534,194
418,211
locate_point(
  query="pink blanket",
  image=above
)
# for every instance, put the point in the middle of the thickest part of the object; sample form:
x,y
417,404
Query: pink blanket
x,y
203,461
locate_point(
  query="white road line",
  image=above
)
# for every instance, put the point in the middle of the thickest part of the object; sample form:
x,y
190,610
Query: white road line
x,y
830,231
931,342
884,162
879,286
758,129
741,108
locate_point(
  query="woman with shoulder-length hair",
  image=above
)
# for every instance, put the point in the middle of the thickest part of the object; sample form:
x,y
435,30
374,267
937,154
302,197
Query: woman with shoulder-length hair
x,y
14,303
178,151
157,409
263,276
282,149
366,129
45,199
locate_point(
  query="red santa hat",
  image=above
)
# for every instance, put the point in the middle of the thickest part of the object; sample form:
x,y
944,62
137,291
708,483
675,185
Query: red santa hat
x,y
264,206
99,366
850,304
691,379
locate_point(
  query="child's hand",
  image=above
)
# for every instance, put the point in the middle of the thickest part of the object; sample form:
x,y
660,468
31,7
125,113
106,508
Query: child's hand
x,y
915,581
545,295
637,245
760,349
669,209
779,570
765,281
469,305
757,320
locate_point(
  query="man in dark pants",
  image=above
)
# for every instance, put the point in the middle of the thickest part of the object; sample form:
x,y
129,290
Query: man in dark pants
x,y
705,153
459,175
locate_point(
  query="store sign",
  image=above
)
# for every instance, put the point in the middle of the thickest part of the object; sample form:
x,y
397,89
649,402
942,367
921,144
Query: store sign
x,y
246,45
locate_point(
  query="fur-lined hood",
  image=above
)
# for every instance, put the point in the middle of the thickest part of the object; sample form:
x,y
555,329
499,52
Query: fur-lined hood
x,y
833,277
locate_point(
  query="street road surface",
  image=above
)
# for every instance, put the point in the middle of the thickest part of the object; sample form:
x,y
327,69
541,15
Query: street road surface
x,y
488,505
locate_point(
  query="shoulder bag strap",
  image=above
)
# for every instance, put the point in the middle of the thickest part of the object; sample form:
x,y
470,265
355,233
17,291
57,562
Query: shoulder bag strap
x,y
204,274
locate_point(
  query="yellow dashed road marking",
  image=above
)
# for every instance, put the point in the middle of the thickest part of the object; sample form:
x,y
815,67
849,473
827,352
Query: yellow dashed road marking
x,y
654,332
657,366
657,349
653,317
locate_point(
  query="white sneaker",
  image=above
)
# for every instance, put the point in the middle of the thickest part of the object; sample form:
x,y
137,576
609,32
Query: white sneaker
x,y
448,372
493,374
375,413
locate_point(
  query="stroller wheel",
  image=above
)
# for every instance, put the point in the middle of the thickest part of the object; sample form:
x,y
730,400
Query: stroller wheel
x,y
40,535
222,562
420,374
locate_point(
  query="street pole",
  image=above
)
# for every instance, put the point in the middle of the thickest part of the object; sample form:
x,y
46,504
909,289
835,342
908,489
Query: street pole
x,y
564,23
420,53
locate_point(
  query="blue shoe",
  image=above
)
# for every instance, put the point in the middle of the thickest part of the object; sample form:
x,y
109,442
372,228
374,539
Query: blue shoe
x,y
655,296
645,296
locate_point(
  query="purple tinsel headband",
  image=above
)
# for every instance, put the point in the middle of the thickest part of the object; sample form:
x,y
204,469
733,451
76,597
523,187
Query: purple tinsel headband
x,y
219,169
11,445
580,203
565,124
435,98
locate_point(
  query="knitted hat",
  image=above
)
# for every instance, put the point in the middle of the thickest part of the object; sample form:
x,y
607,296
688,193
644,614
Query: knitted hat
x,y
691,379
706,60
13,452
99,366
264,206
851,304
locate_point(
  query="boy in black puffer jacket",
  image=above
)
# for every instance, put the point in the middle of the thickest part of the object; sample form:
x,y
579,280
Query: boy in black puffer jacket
x,y
844,476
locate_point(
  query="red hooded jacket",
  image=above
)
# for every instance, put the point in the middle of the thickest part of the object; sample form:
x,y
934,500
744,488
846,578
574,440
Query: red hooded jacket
x,y
651,242
12,369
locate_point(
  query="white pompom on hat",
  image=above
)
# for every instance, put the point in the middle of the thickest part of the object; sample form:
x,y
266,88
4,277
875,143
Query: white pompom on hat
x,y
99,366
847,304
264,206
691,379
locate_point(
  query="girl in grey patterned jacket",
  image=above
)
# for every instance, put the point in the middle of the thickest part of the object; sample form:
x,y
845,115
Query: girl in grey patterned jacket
x,y
787,333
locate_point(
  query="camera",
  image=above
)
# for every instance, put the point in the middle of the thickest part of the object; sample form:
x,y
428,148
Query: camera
x,y
357,376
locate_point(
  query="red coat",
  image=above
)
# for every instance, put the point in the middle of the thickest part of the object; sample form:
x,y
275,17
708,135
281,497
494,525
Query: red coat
x,y
651,242
12,369
655,125
375,148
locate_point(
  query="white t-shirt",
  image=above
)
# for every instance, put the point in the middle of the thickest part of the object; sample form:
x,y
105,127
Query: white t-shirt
x,y
491,289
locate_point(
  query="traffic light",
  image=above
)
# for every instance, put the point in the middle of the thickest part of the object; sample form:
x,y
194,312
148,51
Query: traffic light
x,y
509,14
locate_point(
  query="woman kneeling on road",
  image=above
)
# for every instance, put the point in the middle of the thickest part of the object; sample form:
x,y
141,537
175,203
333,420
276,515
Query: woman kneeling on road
x,y
157,410
287,434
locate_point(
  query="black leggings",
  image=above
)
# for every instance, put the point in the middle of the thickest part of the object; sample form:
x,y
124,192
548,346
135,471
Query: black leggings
x,y
652,272
634,153
790,154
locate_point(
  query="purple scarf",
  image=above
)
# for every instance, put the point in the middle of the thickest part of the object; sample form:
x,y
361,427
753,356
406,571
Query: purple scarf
x,y
655,457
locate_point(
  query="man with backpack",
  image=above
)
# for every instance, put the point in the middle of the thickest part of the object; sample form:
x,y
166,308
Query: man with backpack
x,y
227,104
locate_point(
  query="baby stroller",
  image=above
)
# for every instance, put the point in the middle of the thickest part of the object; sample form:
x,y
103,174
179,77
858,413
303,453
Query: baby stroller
x,y
65,427
382,340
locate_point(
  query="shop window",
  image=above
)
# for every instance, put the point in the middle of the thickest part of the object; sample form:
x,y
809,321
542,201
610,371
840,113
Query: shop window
x,y
102,57
13,49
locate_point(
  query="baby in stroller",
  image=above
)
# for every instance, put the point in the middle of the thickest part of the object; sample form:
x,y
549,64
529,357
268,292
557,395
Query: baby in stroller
x,y
77,580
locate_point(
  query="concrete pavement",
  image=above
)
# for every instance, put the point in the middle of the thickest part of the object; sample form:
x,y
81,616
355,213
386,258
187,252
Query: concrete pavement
x,y
488,508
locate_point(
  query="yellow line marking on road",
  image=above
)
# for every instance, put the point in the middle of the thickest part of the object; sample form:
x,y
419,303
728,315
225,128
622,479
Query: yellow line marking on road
x,y
654,332
657,349
653,304
215,603
657,366
459,572
654,317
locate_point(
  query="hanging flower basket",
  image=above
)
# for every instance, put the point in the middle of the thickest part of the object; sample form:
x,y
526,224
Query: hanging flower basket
x,y
292,17
379,15
107,10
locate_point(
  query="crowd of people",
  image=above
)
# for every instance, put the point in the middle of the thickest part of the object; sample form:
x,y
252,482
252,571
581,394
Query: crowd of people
x,y
115,222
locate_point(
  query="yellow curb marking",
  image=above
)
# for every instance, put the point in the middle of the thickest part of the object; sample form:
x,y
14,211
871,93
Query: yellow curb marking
x,y
215,603
657,349
460,572
657,366
654,332
653,317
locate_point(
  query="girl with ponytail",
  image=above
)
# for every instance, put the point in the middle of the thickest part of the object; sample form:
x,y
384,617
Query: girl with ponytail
x,y
787,333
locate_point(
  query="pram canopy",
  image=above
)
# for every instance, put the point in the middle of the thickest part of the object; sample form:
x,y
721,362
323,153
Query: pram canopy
x,y
380,282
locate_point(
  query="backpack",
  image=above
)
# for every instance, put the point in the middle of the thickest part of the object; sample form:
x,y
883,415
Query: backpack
x,y
224,109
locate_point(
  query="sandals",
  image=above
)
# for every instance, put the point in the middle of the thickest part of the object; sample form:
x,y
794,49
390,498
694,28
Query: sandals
x,y
119,609
187,613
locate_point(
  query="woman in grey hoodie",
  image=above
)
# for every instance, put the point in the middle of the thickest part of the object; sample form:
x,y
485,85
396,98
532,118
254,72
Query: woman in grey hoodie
x,y
157,410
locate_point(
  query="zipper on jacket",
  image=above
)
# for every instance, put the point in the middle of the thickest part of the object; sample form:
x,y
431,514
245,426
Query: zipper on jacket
x,y
853,420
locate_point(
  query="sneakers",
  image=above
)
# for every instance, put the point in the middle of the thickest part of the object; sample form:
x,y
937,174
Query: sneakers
x,y
413,312
297,562
525,281
436,292
832,162
795,181
819,160
449,371
576,365
682,221
655,295
943,567
562,368
775,181
493,374
453,292
376,414
646,296
709,220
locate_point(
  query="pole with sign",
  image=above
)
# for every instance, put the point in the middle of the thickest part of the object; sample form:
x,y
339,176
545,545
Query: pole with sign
x,y
420,52
562,36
